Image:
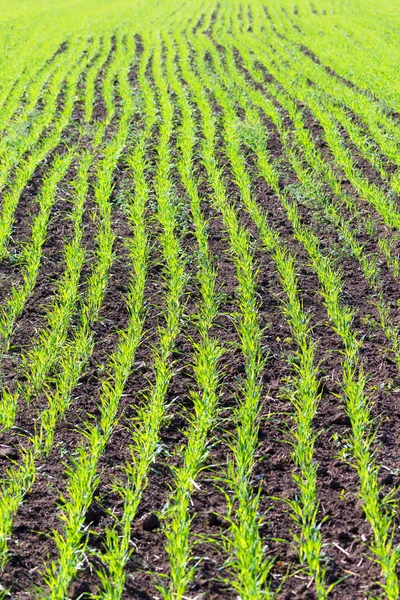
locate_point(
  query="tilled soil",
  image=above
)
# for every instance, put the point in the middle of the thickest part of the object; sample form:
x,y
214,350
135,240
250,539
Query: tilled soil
x,y
345,530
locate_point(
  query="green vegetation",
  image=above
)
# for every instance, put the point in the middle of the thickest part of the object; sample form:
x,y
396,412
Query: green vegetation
x,y
199,272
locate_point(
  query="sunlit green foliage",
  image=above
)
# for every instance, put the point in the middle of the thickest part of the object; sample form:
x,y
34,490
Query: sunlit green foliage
x,y
146,126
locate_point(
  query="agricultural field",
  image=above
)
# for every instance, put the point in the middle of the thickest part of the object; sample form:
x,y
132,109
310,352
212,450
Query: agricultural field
x,y
199,299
